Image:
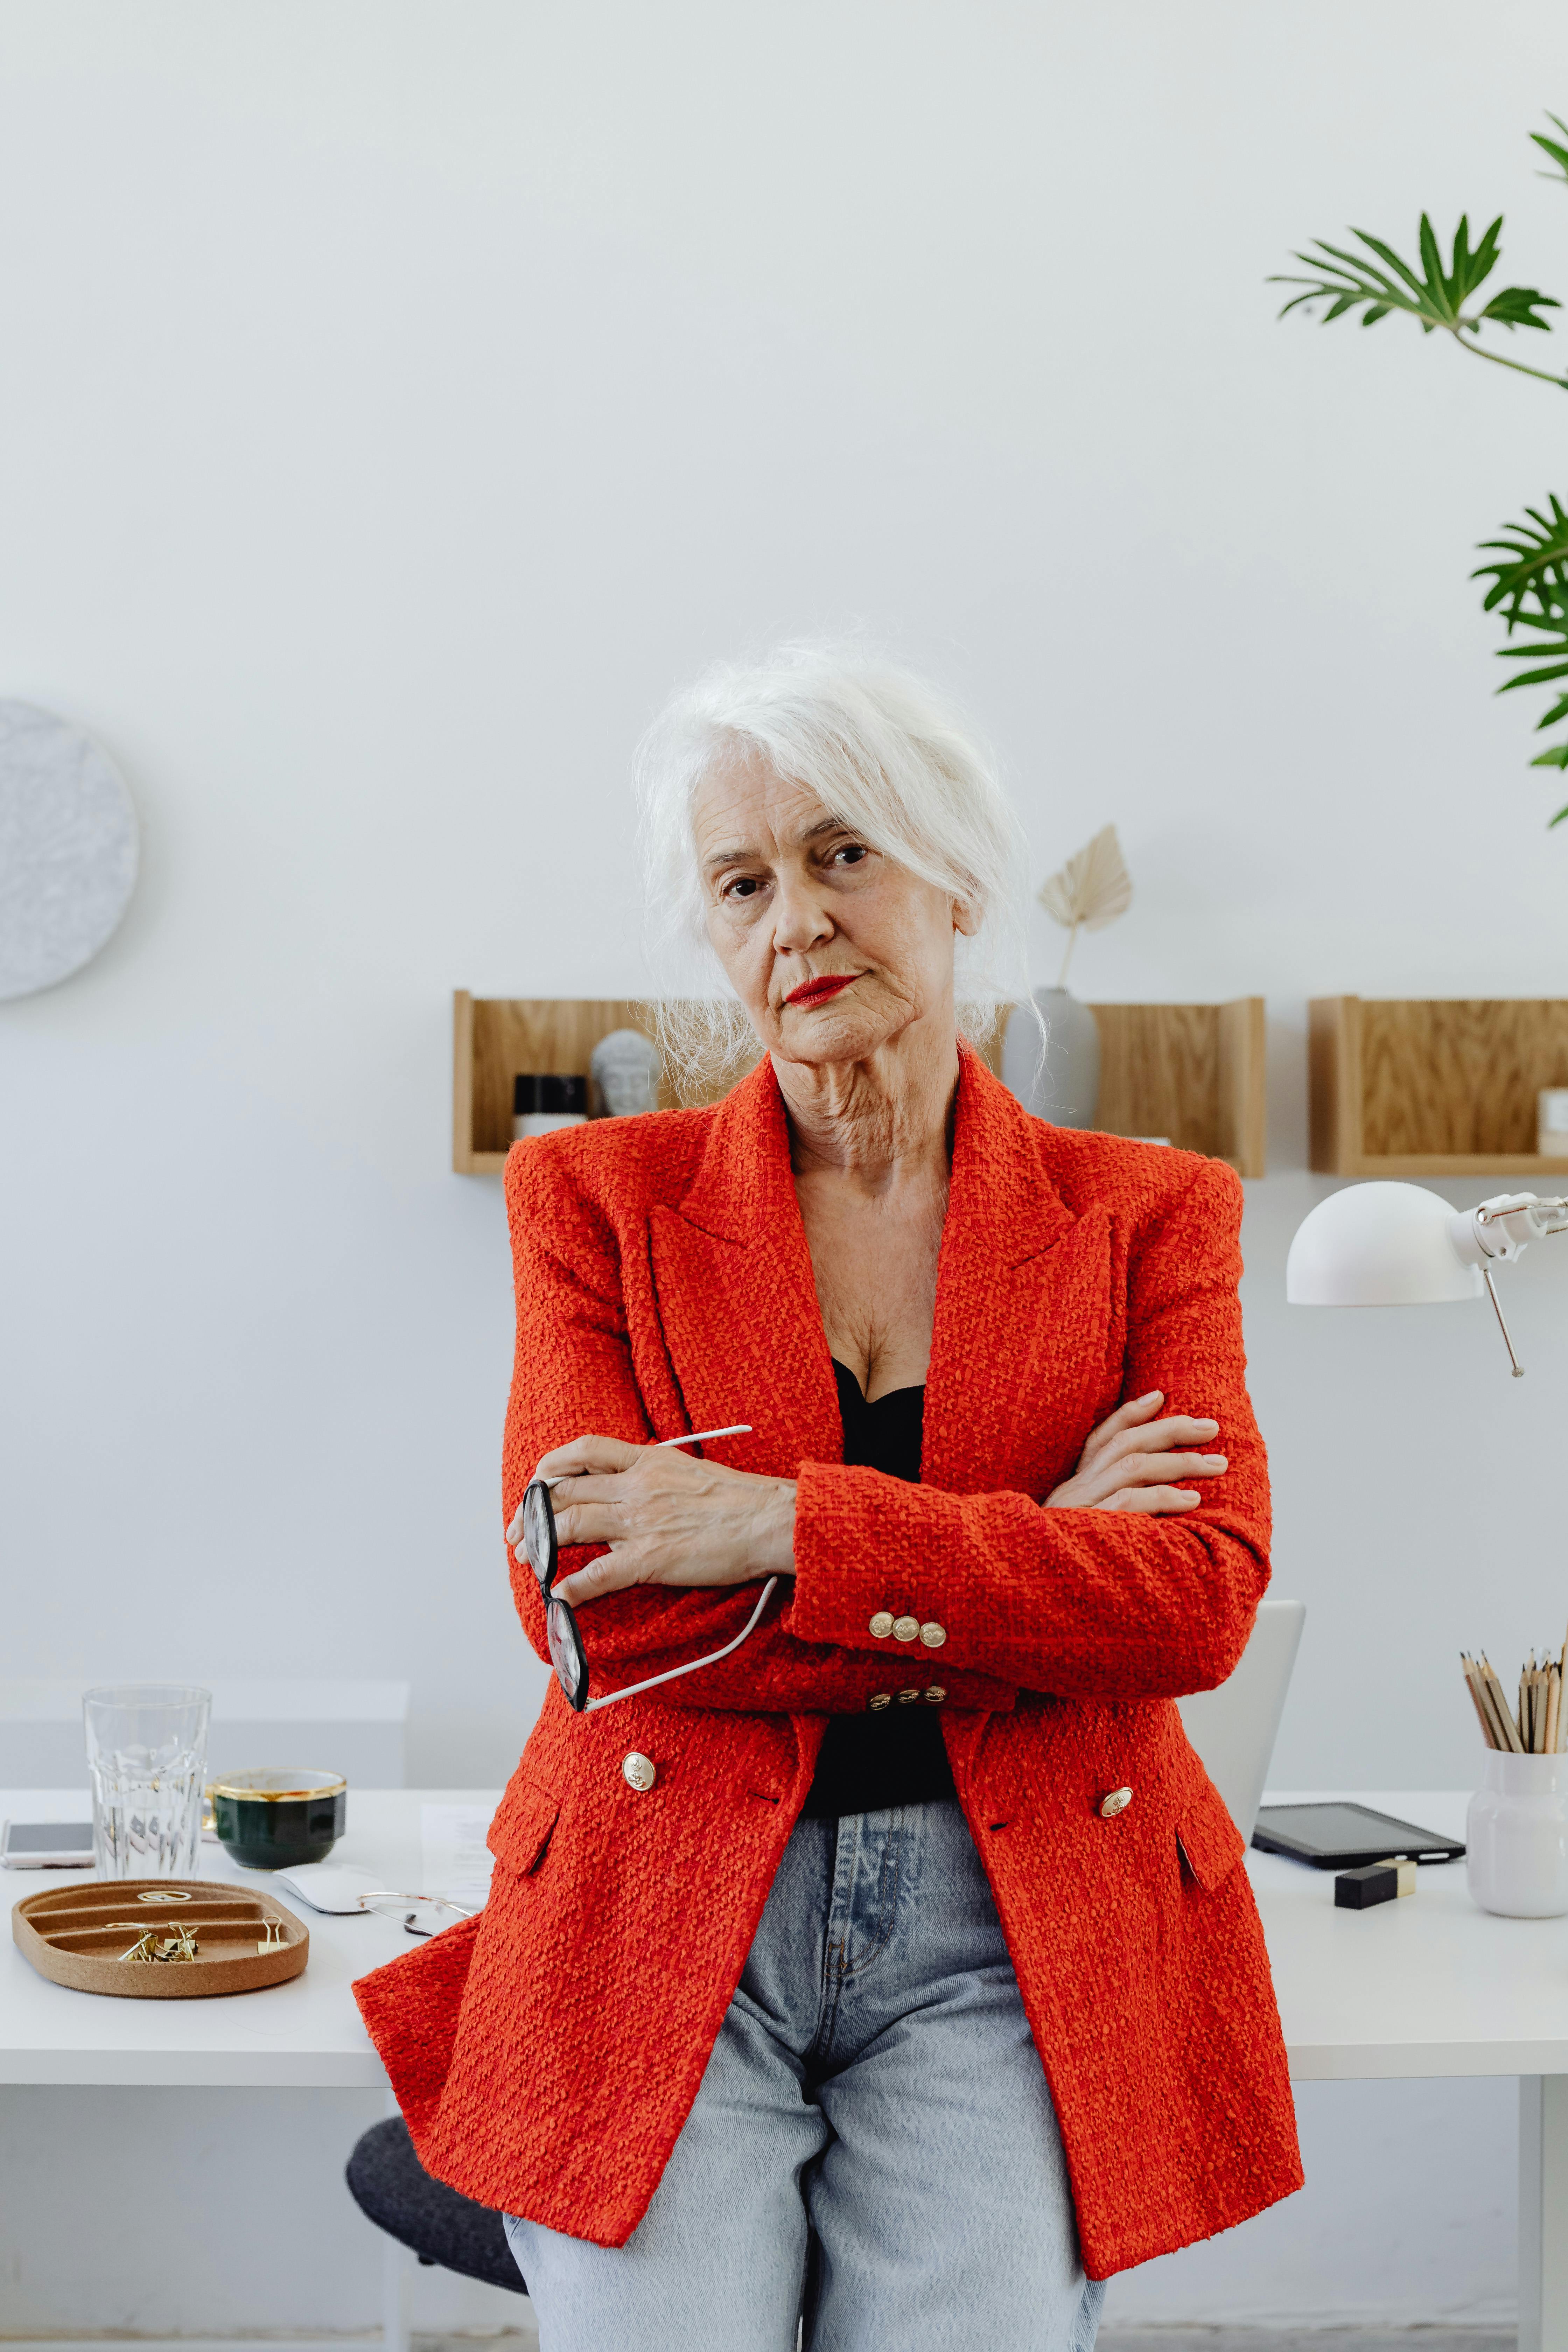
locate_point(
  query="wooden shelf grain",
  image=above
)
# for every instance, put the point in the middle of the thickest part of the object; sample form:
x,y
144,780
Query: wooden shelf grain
x,y
1191,1072
1433,1086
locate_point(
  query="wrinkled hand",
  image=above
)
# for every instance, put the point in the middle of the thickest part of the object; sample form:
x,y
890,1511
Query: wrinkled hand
x,y
1130,1461
668,1517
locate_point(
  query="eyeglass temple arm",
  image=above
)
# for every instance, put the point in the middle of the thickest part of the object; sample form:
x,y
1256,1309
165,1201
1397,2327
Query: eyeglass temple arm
x,y
691,1668
401,1895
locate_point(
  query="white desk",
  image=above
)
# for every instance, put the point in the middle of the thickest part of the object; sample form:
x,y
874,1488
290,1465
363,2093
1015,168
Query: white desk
x,y
305,2034
1425,1986
1430,1985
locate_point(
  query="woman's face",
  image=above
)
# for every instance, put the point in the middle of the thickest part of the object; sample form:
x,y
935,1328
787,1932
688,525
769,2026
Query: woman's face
x,y
833,947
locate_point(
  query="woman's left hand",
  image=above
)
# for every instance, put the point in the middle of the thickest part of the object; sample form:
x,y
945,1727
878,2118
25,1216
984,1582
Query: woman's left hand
x,y
668,1517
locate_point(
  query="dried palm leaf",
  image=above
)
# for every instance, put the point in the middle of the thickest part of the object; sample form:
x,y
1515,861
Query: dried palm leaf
x,y
1092,888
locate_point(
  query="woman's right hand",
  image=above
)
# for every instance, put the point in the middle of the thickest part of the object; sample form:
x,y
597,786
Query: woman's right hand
x,y
1129,1462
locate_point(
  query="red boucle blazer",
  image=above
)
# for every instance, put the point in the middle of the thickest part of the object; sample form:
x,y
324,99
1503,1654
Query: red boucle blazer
x,y
547,2052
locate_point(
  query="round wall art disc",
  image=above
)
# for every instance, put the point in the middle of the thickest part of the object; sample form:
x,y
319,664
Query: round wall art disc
x,y
67,849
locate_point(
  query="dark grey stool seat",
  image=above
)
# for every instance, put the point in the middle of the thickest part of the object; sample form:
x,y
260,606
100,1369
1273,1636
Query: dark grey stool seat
x,y
388,2182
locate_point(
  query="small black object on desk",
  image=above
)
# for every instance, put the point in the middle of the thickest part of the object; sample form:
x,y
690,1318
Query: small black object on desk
x,y
1375,1881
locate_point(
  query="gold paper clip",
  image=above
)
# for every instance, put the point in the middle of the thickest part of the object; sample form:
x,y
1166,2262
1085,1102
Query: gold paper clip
x,y
181,1946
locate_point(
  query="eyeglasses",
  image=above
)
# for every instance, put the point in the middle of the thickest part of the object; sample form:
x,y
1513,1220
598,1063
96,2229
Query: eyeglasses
x,y
418,1914
567,1655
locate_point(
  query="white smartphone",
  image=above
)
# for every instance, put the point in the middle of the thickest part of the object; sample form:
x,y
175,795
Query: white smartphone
x,y
47,1845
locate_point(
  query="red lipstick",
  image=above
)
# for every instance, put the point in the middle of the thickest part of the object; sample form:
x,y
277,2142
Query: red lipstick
x,y
817,991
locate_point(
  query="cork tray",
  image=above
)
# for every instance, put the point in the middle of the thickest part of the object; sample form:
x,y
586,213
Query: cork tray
x,y
78,1936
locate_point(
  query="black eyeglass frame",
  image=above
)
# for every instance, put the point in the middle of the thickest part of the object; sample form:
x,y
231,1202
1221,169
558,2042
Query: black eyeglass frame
x,y
560,1627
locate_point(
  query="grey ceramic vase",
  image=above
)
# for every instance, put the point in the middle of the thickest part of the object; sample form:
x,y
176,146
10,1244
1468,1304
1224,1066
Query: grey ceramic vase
x,y
1063,1084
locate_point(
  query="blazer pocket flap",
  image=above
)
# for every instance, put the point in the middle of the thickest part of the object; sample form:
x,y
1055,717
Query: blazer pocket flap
x,y
521,1831
1211,1843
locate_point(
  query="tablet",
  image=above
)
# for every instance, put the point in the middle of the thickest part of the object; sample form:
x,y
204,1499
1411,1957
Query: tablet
x,y
1340,1836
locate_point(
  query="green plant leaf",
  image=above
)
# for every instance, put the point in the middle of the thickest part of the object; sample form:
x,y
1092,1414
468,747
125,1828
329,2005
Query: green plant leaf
x,y
1534,676
1516,307
1528,576
1530,582
1528,573
1386,253
1437,287
1560,157
1346,281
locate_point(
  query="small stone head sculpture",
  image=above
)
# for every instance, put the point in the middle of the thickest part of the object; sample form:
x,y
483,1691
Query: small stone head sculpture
x,y
625,1071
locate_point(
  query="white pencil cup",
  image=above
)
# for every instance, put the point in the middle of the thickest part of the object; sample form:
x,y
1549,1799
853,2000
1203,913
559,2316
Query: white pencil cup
x,y
1516,1837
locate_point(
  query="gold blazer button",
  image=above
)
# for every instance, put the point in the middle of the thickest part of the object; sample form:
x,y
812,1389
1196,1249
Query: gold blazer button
x,y
905,1628
638,1771
1117,1802
933,1635
881,1624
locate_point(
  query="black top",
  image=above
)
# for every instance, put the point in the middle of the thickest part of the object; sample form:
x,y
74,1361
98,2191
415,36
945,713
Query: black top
x,y
893,1755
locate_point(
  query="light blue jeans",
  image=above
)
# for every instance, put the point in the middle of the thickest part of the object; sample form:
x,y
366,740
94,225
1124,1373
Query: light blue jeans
x,y
872,2145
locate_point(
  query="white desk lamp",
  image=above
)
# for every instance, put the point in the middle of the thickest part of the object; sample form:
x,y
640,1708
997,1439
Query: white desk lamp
x,y
1401,1246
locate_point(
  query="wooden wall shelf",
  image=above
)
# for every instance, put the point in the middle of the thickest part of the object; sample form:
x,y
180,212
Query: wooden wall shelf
x,y
1433,1087
494,1037
1191,1072
1194,1073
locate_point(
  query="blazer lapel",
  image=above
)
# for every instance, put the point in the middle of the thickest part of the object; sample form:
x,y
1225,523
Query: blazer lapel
x,y
736,1294
1019,1364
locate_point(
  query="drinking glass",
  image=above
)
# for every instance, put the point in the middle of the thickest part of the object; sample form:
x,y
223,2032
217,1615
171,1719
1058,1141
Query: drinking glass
x,y
147,1752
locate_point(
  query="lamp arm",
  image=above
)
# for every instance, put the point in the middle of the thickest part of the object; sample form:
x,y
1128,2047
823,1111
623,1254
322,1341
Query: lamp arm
x,y
1502,1229
1518,1368
1544,1217
1499,1233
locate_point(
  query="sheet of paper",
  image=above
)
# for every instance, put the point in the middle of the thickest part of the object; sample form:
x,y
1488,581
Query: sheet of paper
x,y
457,1861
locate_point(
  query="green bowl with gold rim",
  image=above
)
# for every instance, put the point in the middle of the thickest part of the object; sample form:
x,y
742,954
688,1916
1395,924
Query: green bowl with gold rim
x,y
275,1820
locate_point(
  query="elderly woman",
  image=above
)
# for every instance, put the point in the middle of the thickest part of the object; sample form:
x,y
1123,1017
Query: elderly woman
x,y
893,1966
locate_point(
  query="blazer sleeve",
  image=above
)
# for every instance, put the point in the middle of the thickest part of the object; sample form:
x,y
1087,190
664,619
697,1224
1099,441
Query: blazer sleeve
x,y
1083,1603
574,1373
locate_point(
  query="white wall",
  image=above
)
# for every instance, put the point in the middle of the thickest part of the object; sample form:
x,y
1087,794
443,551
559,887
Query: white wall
x,y
399,399
1409,2218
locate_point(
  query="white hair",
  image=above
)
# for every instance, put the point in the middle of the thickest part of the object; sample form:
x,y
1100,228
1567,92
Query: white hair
x,y
888,757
